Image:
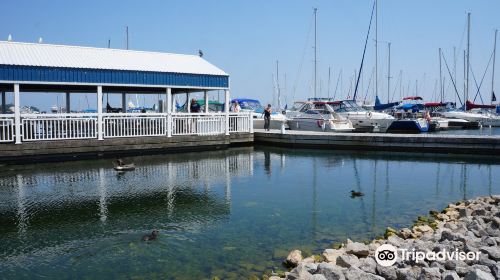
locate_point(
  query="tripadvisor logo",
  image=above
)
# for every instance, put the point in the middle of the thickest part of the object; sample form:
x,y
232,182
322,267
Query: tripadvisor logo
x,y
387,255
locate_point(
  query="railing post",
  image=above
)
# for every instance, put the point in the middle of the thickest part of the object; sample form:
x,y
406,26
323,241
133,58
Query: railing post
x,y
250,121
169,112
17,113
100,127
226,110
205,96
4,105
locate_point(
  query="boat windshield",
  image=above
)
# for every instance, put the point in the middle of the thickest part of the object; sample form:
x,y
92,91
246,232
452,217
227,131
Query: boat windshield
x,y
296,106
251,105
347,106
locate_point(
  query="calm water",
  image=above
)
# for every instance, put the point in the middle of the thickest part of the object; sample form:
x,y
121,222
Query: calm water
x,y
481,131
229,214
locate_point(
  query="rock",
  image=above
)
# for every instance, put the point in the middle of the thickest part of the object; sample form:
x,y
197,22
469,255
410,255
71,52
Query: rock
x,y
309,260
453,214
275,278
357,249
331,255
330,271
408,273
318,277
390,231
442,217
294,258
395,241
405,233
493,252
423,229
355,274
449,275
301,272
464,212
368,265
478,274
452,236
347,261
490,241
388,272
430,273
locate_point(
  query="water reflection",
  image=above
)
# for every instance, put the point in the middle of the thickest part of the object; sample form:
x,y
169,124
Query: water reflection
x,y
228,214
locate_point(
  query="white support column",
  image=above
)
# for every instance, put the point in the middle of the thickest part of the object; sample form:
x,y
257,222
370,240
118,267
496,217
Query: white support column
x,y
205,96
226,110
250,117
124,102
68,103
17,113
169,112
100,127
188,103
4,104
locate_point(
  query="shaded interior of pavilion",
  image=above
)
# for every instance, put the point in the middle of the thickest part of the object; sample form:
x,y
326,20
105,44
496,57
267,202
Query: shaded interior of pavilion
x,y
36,99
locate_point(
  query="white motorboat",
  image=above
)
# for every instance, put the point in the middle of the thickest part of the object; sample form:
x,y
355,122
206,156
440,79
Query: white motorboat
x,y
468,116
362,119
318,116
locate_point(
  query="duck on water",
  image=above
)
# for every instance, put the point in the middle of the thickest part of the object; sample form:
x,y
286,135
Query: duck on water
x,y
121,166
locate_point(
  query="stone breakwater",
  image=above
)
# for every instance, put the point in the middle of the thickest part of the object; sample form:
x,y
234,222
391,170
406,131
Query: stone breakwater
x,y
461,242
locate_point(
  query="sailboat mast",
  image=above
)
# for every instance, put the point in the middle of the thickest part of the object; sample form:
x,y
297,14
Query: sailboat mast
x,y
315,54
376,48
440,77
493,69
329,75
126,30
468,62
278,84
389,74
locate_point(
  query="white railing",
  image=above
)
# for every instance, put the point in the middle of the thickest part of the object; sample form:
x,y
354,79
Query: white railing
x,y
6,128
40,127
198,124
239,122
134,125
58,126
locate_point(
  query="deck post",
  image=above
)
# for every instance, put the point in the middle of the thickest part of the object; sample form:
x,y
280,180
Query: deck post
x,y
124,102
250,120
17,113
205,96
226,110
169,112
188,103
68,103
4,104
100,127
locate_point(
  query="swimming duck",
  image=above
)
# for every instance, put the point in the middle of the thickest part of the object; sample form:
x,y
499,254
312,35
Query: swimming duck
x,y
152,236
356,194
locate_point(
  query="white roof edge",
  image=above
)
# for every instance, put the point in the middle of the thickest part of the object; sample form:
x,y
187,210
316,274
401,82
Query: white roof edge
x,y
67,56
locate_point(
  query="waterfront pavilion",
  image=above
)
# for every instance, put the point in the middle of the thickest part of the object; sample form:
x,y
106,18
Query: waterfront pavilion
x,y
37,68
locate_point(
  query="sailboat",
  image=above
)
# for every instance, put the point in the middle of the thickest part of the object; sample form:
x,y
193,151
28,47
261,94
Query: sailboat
x,y
315,115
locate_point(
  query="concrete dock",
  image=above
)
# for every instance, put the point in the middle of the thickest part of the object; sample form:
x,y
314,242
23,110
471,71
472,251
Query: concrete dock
x,y
93,148
416,143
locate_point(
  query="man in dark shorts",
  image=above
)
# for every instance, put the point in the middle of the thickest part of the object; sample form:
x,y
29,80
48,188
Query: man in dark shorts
x,y
267,117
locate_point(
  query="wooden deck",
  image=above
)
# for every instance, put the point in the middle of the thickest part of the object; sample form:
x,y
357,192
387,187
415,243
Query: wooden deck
x,y
426,143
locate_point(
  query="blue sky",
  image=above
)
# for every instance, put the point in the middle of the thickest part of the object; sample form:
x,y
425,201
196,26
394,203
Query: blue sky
x,y
245,38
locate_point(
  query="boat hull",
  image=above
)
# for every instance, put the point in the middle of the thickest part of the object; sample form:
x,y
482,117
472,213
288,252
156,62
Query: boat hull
x,y
409,126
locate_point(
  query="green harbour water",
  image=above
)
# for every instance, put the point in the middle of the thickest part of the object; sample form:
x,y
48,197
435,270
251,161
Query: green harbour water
x,y
230,214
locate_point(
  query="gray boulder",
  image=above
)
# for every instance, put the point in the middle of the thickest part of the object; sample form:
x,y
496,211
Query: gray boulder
x,y
294,258
493,252
330,271
318,277
408,273
354,273
388,272
368,265
449,275
430,273
478,274
347,261
357,249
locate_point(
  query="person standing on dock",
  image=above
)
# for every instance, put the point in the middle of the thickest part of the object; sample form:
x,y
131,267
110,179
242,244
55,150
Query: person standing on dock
x,y
236,107
267,117
195,107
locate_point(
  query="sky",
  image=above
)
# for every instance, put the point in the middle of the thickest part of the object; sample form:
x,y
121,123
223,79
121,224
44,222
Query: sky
x,y
246,38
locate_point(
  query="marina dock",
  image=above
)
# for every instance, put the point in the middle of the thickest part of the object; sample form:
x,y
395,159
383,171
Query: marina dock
x,y
418,143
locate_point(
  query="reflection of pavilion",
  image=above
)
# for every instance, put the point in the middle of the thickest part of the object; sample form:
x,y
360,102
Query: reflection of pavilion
x,y
198,184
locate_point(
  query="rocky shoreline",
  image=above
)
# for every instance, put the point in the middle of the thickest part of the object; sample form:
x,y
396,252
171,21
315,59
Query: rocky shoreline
x,y
461,242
